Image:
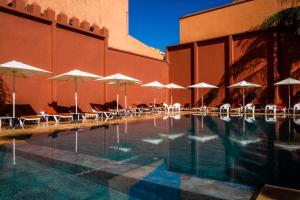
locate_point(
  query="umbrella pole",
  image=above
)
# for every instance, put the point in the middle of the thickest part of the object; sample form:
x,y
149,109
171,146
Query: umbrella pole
x,y
155,92
202,101
244,100
125,98
171,97
118,100
14,95
76,103
289,98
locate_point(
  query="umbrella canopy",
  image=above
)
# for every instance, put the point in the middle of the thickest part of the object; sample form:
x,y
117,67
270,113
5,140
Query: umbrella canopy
x,y
243,85
75,76
288,82
21,70
172,86
202,85
154,84
120,79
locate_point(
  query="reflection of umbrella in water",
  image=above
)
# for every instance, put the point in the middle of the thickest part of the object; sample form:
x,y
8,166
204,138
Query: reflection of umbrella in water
x,y
124,147
244,140
172,136
18,137
153,140
287,146
203,138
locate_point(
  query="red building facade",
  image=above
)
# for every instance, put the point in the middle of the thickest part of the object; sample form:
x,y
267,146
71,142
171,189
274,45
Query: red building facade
x,y
57,43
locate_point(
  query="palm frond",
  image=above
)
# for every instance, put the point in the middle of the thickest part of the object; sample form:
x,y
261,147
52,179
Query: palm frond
x,y
285,17
291,2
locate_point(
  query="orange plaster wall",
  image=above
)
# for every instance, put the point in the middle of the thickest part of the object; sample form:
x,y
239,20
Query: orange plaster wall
x,y
141,68
29,42
211,69
113,14
227,20
181,62
77,51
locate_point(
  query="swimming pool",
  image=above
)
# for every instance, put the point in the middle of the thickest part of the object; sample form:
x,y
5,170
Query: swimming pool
x,y
170,157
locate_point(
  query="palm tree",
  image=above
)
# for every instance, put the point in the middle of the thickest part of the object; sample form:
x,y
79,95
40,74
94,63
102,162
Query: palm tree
x,y
286,23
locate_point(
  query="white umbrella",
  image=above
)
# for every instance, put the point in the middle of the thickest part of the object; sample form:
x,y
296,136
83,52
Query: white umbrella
x,y
202,85
289,82
75,76
21,70
172,86
243,85
119,80
154,84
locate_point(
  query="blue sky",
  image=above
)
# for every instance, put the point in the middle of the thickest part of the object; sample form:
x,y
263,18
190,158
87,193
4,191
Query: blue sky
x,y
156,22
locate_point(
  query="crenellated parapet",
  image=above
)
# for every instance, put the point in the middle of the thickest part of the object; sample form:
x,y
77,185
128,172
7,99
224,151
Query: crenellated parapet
x,y
34,10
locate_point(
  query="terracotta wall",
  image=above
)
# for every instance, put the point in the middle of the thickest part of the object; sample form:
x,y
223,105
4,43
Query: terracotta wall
x,y
227,20
49,42
113,14
140,67
181,60
28,41
211,69
248,56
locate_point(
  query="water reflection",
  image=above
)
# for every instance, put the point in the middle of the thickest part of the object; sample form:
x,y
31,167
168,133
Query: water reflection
x,y
242,149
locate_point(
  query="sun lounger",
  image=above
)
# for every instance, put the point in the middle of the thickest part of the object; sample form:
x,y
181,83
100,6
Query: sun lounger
x,y
296,108
167,107
145,107
274,108
134,109
32,118
102,111
225,107
250,107
51,112
176,107
10,119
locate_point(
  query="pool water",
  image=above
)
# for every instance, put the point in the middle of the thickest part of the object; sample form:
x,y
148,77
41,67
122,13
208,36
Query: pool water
x,y
186,157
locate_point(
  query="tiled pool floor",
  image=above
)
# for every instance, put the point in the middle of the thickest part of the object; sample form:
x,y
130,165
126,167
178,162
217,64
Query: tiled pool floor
x,y
126,178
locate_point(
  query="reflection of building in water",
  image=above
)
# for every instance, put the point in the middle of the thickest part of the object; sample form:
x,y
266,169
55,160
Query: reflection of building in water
x,y
248,156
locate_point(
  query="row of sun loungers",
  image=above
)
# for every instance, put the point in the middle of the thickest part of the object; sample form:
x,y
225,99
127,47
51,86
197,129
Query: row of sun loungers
x,y
108,111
